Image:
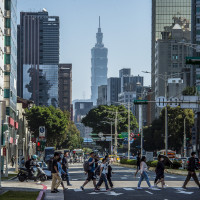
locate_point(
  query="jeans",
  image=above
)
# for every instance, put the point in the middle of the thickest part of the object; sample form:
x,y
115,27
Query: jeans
x,y
101,180
144,175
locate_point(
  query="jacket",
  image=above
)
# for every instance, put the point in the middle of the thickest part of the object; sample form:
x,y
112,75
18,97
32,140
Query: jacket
x,y
191,164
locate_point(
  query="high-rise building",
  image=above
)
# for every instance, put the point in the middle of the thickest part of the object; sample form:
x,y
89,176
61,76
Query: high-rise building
x,y
113,89
65,86
164,12
102,95
38,55
99,65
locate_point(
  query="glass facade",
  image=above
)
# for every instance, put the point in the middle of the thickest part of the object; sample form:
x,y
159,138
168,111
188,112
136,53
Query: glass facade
x,y
44,92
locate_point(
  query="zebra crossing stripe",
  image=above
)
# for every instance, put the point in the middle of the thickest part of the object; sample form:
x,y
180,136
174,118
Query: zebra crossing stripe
x,y
148,192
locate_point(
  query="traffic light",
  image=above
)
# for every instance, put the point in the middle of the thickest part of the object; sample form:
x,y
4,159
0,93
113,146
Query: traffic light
x,y
138,135
38,146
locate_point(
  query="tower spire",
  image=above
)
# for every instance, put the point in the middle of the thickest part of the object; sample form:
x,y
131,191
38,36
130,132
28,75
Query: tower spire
x,y
99,22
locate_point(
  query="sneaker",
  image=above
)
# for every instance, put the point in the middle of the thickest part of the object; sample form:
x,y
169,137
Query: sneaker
x,y
82,188
184,188
96,189
69,184
165,186
53,191
150,187
108,190
155,186
139,188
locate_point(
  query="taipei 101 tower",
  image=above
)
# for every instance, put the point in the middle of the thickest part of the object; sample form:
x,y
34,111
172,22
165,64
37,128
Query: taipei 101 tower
x,y
99,65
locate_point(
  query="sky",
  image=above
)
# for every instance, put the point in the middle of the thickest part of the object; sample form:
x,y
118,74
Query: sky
x,y
126,25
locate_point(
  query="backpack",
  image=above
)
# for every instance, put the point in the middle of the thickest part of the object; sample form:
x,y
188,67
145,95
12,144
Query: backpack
x,y
86,166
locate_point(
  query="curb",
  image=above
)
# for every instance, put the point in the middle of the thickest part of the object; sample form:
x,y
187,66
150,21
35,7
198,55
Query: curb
x,y
14,177
41,195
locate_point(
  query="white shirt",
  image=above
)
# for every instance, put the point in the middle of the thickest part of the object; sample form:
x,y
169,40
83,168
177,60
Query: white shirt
x,y
105,168
143,167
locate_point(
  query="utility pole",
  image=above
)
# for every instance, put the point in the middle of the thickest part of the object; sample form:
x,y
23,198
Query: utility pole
x,y
184,140
141,127
111,140
129,130
116,134
166,126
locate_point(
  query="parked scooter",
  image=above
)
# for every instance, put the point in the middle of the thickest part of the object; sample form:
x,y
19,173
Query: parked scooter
x,y
24,174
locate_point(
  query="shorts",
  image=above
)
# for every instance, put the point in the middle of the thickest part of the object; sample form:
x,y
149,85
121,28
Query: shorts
x,y
91,176
159,176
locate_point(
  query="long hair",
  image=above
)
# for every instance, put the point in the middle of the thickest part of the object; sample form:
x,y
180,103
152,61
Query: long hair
x,y
143,158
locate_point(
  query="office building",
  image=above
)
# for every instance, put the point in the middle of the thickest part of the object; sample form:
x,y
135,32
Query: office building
x,y
164,14
38,49
113,89
65,87
99,65
102,95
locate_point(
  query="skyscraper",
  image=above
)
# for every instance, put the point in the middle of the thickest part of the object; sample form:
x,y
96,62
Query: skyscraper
x,y
99,65
38,57
164,13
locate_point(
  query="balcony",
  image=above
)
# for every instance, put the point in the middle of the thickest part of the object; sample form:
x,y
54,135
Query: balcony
x,y
7,13
7,50
7,31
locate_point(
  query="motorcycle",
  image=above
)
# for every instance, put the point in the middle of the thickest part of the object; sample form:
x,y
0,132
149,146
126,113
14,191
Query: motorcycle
x,y
24,174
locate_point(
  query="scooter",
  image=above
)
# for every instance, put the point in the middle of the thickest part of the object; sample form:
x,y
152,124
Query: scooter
x,y
25,174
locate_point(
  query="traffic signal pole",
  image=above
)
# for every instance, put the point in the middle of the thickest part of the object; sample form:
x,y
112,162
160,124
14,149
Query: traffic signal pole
x,y
184,140
116,113
141,127
166,125
129,130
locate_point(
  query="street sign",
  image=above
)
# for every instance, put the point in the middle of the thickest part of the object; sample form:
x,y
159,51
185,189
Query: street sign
x,y
108,138
103,138
42,131
141,101
149,156
161,102
189,99
124,134
174,101
100,134
192,60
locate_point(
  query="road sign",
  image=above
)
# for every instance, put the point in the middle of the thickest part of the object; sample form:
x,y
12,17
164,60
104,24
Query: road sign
x,y
103,138
141,101
100,134
124,134
189,99
160,102
192,60
108,138
174,101
42,131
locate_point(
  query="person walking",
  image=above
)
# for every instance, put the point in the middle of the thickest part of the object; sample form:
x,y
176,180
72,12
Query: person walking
x,y
65,167
138,163
103,178
12,160
56,180
61,171
91,175
160,172
191,171
109,175
143,173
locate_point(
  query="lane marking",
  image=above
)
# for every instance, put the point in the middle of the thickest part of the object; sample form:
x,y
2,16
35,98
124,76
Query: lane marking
x,y
113,193
155,189
78,190
184,192
128,189
148,192
123,178
93,193
171,177
74,179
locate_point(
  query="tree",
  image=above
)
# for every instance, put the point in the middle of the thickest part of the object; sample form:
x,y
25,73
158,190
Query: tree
x,y
97,119
155,134
189,91
54,120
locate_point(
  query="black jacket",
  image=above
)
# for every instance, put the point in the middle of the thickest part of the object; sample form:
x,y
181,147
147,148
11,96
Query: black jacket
x,y
191,164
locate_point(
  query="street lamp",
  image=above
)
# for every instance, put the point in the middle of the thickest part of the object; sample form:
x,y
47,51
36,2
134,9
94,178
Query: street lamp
x,y
23,140
6,143
16,160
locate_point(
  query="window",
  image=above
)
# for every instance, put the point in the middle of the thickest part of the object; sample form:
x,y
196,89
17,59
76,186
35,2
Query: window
x,y
7,24
175,47
7,40
174,57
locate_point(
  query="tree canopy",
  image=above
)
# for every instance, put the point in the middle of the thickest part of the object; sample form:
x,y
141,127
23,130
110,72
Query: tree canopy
x,y
58,125
155,134
189,91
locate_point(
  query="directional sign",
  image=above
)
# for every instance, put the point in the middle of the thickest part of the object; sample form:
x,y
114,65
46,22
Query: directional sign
x,y
124,134
42,131
100,134
160,102
173,103
108,138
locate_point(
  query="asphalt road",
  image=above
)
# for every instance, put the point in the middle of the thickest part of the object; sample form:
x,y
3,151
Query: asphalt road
x,y
125,187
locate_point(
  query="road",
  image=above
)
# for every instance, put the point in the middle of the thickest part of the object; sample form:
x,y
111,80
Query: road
x,y
125,187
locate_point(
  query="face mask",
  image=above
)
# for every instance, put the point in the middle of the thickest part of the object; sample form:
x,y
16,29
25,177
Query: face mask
x,y
162,159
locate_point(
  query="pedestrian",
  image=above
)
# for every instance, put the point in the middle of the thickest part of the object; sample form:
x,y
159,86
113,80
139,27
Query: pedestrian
x,y
160,172
143,173
90,172
56,180
12,160
61,171
109,175
65,167
191,171
138,163
103,178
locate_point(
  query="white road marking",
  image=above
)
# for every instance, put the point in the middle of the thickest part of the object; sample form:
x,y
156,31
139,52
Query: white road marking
x,y
74,179
128,188
123,178
149,192
78,190
93,193
155,188
184,192
113,193
170,176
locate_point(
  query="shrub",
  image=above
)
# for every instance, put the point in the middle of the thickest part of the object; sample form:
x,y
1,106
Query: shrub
x,y
149,163
176,165
128,162
154,163
123,161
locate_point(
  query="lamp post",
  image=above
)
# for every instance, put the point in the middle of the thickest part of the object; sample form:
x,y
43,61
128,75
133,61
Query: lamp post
x,y
23,140
6,143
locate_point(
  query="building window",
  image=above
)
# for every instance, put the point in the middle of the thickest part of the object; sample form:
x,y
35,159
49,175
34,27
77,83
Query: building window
x,y
175,47
174,57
